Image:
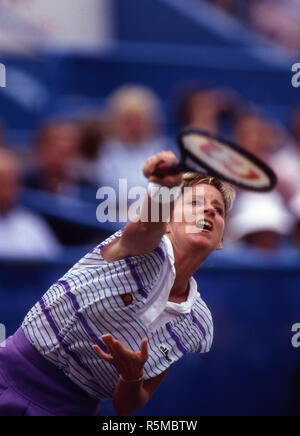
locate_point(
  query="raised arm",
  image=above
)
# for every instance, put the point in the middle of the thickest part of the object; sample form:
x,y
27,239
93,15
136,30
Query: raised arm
x,y
142,237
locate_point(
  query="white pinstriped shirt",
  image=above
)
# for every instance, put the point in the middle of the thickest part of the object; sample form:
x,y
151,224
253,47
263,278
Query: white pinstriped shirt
x,y
127,298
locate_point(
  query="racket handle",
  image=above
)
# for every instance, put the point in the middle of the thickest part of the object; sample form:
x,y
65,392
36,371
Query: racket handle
x,y
168,171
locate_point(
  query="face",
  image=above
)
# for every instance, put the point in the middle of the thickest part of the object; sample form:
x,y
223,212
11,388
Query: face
x,y
134,126
203,111
60,149
198,222
256,136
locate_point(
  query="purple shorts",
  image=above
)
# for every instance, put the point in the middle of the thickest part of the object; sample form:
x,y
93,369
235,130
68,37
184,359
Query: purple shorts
x,y
30,385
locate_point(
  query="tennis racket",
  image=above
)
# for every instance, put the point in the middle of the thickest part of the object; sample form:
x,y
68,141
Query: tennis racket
x,y
204,153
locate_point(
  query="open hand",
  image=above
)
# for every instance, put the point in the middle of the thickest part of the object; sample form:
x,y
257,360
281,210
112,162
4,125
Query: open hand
x,y
129,364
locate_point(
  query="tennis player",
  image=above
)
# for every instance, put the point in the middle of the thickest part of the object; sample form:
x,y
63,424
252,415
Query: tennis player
x,y
115,323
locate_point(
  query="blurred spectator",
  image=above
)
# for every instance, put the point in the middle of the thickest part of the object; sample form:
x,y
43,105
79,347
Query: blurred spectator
x,y
276,146
22,234
286,161
257,135
261,221
278,20
205,108
92,132
61,167
135,117
57,152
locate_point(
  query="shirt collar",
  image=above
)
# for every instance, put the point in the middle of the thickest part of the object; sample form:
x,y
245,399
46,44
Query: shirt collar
x,y
187,305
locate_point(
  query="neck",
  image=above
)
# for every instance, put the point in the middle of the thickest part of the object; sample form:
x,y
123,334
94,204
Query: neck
x,y
185,266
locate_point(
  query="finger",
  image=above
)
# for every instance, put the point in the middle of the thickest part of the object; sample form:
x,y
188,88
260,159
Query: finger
x,y
167,155
150,166
169,181
144,349
119,349
109,342
116,349
164,158
101,353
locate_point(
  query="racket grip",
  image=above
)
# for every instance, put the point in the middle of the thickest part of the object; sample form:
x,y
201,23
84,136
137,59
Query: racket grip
x,y
168,171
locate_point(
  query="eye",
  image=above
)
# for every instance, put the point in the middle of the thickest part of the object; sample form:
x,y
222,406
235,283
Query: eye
x,y
220,211
196,203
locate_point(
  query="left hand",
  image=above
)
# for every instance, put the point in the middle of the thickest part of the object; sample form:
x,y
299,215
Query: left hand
x,y
129,364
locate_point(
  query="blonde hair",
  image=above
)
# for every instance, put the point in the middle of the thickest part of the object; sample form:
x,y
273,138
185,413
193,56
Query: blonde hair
x,y
227,190
137,98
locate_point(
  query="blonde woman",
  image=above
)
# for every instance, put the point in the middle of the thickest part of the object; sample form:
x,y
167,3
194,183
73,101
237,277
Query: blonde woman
x,y
115,323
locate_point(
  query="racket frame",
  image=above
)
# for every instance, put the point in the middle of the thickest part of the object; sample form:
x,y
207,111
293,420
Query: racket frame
x,y
208,170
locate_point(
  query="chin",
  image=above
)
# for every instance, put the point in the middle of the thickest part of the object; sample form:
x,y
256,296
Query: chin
x,y
200,241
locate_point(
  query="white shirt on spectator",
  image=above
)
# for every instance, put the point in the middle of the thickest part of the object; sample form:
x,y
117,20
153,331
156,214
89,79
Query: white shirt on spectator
x,y
24,234
123,161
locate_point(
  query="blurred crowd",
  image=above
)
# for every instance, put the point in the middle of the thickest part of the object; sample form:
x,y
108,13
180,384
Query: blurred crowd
x,y
277,20
267,222
72,159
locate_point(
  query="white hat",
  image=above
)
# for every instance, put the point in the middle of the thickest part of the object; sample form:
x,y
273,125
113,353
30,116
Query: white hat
x,y
260,212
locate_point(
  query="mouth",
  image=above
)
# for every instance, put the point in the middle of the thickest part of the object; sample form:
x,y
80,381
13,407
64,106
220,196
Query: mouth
x,y
205,225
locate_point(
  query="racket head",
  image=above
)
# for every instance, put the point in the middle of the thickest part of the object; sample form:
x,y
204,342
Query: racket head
x,y
217,157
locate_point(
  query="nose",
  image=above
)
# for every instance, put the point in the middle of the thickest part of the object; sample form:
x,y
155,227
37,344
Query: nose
x,y
209,210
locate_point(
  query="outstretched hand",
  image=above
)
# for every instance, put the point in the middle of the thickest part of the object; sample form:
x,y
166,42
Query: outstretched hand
x,y
129,364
